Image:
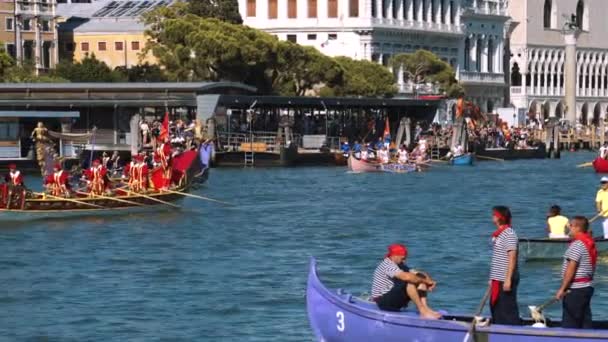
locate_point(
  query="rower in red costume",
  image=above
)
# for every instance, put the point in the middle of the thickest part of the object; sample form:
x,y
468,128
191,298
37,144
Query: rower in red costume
x,y
58,183
137,172
14,186
97,178
162,157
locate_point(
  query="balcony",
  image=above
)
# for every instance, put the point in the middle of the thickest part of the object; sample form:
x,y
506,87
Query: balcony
x,y
482,77
417,25
33,9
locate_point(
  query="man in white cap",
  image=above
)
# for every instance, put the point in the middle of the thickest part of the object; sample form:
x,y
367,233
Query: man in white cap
x,y
601,203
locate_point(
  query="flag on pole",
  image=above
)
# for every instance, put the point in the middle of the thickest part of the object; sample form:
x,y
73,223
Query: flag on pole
x,y
164,129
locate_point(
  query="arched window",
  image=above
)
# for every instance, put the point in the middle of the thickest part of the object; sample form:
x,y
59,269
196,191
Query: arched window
x,y
547,14
490,55
467,54
580,15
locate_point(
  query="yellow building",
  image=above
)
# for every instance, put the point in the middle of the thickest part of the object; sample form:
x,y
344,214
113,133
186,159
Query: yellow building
x,y
28,31
110,30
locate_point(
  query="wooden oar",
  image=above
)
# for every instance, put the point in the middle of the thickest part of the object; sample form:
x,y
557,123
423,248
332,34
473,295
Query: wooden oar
x,y
587,164
471,332
537,311
71,200
151,198
598,216
199,197
490,158
113,199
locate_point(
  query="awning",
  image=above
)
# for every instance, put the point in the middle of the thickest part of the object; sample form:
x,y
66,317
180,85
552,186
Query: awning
x,y
37,114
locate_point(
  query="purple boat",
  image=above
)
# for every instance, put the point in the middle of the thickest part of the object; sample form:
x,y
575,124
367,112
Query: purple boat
x,y
338,316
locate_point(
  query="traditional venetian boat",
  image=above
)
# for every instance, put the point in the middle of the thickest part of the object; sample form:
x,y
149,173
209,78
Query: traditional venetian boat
x,y
465,159
600,165
339,316
545,248
356,165
187,171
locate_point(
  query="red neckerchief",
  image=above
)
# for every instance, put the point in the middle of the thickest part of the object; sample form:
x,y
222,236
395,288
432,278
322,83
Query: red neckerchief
x,y
500,229
589,243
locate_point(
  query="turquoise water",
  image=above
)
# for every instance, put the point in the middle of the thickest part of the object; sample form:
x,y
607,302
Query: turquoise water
x,y
213,273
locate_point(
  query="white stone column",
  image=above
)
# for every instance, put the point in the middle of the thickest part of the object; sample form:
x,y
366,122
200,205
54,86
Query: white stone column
x,y
410,9
400,8
281,9
570,40
524,79
438,7
457,11
484,53
37,43
364,11
303,11
473,66
446,12
379,9
602,74
596,72
498,67
389,9
429,11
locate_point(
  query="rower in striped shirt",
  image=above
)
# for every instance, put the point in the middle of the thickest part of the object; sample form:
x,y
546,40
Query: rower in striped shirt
x,y
394,284
577,276
504,276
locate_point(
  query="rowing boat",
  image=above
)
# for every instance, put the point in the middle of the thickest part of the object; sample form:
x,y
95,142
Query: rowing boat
x,y
338,316
465,159
600,165
187,171
545,248
357,165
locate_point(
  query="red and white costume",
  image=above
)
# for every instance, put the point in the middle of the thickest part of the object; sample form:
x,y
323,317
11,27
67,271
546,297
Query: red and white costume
x,y
137,172
162,157
58,182
14,177
13,187
97,180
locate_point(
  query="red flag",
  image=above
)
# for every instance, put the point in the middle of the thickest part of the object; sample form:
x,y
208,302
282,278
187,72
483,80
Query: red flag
x,y
164,129
387,130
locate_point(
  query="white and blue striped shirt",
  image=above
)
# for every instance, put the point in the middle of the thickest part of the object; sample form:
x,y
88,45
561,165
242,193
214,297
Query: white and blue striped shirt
x,y
503,243
384,277
578,252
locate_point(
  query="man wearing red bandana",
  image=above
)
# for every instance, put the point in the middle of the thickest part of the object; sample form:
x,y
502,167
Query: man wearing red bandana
x,y
577,277
394,284
504,275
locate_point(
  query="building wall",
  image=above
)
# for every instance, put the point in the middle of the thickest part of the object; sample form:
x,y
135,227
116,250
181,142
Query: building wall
x,y
538,58
112,56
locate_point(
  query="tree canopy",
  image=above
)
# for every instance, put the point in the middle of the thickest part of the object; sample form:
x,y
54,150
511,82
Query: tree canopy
x,y
363,78
425,67
225,10
89,69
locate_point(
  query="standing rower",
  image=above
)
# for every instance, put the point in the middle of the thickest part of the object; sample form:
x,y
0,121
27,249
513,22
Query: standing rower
x,y
58,183
162,157
577,277
504,276
96,177
601,203
402,157
137,172
14,189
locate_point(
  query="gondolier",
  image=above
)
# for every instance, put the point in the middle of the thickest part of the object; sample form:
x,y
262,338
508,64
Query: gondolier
x,y
97,178
577,277
504,275
394,284
601,203
137,173
58,183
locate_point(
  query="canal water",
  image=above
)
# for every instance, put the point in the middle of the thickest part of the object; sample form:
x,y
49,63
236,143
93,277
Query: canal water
x,y
214,273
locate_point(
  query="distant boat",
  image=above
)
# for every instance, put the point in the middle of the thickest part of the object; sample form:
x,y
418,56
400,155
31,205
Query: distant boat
x,y
545,248
357,165
338,316
465,159
600,165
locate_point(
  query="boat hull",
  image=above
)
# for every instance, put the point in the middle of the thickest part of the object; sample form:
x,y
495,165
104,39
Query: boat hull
x,y
356,165
336,316
539,152
541,249
463,160
600,165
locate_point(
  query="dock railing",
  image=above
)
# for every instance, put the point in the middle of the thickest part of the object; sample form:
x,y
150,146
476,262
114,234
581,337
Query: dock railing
x,y
233,142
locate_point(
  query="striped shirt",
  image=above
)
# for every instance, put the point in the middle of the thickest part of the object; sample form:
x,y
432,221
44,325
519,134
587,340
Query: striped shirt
x,y
384,277
578,252
503,243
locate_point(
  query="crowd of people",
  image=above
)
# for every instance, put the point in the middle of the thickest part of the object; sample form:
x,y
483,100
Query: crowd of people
x,y
394,284
183,132
385,152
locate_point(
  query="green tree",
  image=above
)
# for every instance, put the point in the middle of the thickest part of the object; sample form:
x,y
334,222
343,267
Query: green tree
x,y
6,63
362,78
225,10
425,67
89,69
143,73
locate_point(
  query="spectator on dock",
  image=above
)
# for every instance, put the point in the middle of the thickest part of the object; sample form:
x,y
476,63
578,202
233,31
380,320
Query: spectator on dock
x,y
395,284
345,149
557,224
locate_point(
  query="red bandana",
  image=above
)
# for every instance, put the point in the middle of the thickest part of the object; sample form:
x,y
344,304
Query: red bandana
x,y
589,243
500,229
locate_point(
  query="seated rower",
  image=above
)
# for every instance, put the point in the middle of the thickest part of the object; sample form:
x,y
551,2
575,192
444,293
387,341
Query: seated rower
x,y
357,149
402,156
383,155
458,151
58,182
577,277
394,284
556,223
345,149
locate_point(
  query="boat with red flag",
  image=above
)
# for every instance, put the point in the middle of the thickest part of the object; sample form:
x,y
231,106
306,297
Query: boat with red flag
x,y
188,169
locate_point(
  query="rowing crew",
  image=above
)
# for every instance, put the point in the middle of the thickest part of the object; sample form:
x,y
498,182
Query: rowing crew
x,y
395,284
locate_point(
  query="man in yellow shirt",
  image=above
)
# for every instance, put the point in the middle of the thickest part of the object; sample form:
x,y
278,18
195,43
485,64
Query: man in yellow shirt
x,y
601,203
556,223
